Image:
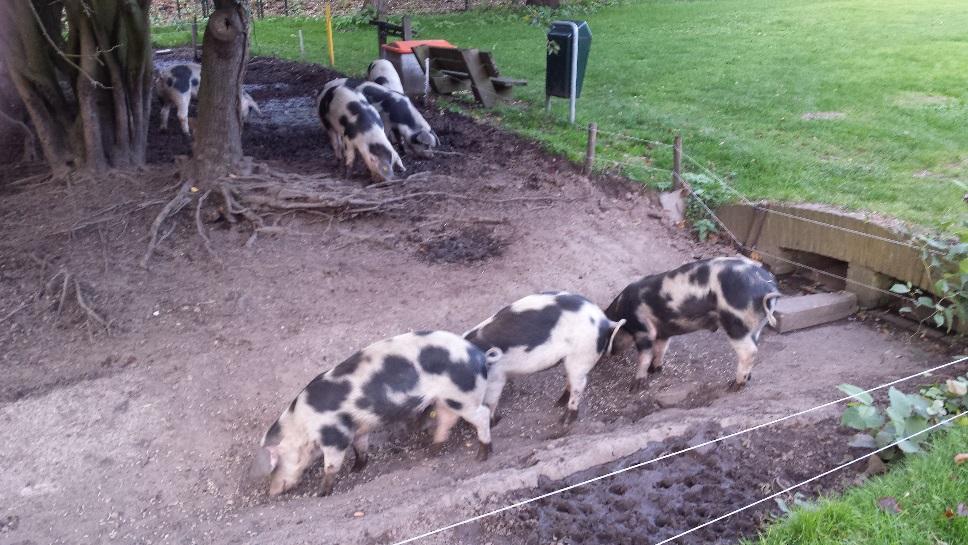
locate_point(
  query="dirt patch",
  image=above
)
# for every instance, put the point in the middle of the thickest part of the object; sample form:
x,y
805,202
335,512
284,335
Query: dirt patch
x,y
466,245
657,501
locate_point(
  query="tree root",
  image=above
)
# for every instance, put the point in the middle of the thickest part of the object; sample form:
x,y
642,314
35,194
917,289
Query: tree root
x,y
254,199
71,290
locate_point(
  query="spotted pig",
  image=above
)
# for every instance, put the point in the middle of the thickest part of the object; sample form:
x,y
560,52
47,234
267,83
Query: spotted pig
x,y
354,126
541,331
387,381
382,72
733,292
177,85
401,120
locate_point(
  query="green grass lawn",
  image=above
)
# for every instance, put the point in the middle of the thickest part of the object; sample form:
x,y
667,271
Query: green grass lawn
x,y
925,486
736,77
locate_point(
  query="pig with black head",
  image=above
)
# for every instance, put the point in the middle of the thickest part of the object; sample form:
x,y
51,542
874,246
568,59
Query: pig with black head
x,y
389,380
402,121
733,292
540,331
354,126
178,84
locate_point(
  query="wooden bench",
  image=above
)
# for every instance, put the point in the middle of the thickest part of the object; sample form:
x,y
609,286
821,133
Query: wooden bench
x,y
453,70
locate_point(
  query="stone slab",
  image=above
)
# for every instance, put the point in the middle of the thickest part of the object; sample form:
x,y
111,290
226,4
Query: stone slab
x,y
802,311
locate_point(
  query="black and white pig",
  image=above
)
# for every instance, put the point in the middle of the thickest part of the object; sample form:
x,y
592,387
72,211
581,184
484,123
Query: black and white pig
x,y
733,292
401,120
389,380
354,126
178,84
382,72
540,331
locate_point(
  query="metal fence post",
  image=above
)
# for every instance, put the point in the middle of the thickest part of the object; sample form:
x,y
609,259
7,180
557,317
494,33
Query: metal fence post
x,y
195,37
302,46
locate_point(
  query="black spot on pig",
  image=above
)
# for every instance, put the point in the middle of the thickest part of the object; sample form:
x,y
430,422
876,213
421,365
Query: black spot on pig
x,y
604,334
381,81
169,82
700,275
273,436
347,421
529,329
181,74
195,82
658,304
334,437
434,359
478,362
465,376
347,367
736,287
398,374
696,307
366,116
381,152
324,395
456,405
570,302
733,325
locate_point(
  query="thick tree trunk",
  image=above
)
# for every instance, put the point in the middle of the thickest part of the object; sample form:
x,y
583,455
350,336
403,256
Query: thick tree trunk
x,y
225,47
87,96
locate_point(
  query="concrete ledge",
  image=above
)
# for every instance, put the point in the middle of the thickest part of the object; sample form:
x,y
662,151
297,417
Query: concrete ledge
x,y
809,310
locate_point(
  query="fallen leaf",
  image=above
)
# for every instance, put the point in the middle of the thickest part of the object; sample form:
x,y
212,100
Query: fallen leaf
x,y
961,458
949,513
889,505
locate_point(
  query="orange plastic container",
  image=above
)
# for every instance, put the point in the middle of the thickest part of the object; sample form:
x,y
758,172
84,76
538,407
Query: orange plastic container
x,y
400,54
402,47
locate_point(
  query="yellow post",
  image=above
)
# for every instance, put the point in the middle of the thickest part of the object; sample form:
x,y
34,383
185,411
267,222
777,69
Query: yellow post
x,y
329,33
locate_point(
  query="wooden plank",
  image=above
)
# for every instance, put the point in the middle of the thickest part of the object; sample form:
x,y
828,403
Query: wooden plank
x,y
481,84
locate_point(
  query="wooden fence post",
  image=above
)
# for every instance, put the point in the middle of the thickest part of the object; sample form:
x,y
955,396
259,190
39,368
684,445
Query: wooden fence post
x,y
407,29
302,46
285,7
590,149
262,9
677,162
178,10
195,37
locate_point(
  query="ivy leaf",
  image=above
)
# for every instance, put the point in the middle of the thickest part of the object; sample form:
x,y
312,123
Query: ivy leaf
x,y
862,440
901,402
941,286
963,266
938,319
908,447
901,288
857,393
904,310
862,417
925,301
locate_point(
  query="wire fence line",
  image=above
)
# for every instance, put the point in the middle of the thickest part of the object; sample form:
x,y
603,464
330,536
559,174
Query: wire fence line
x,y
682,451
746,200
810,480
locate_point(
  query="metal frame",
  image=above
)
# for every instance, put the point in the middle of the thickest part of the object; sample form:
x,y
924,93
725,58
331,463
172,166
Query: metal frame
x,y
574,71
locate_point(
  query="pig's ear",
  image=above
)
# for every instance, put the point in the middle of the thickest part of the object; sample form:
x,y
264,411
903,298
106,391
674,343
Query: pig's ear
x,y
264,462
492,355
426,138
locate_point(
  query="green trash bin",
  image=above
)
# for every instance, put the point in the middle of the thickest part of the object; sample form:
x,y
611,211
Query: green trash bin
x,y
560,60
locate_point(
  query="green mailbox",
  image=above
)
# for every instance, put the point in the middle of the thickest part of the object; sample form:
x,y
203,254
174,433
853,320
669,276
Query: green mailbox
x,y
568,45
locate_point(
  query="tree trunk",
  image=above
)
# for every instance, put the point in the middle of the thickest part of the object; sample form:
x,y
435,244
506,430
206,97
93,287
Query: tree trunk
x,y
87,96
225,46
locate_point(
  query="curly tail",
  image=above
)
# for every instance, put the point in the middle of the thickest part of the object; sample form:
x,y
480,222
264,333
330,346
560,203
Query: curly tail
x,y
769,305
617,327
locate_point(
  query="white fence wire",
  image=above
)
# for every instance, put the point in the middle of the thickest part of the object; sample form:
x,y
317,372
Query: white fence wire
x,y
688,449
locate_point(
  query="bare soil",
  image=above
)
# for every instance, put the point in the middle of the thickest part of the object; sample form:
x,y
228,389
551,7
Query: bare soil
x,y
140,432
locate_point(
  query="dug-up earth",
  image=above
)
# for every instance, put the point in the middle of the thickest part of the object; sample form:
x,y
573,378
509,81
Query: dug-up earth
x,y
141,432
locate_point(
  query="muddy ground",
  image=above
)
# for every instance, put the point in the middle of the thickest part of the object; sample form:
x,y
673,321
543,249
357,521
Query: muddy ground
x,y
141,433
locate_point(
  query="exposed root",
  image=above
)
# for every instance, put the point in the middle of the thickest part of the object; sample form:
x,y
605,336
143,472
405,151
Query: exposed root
x,y
260,201
70,290
181,199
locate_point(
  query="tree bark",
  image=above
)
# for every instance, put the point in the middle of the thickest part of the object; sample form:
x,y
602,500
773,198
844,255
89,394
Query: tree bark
x,y
87,95
225,47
